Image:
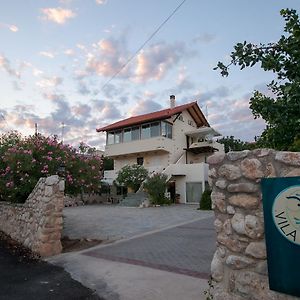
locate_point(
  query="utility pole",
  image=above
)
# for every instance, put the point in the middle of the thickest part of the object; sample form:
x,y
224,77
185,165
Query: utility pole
x,y
36,128
62,131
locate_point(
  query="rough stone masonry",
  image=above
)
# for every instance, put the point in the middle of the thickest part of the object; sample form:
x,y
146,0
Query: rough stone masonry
x,y
239,265
37,223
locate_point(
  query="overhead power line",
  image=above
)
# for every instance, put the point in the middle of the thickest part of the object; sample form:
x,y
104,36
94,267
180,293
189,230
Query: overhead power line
x,y
4,119
144,44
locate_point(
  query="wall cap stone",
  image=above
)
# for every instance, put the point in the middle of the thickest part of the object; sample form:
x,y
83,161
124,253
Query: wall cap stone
x,y
290,158
215,158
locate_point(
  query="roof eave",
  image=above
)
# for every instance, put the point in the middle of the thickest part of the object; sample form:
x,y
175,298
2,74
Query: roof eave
x,y
109,127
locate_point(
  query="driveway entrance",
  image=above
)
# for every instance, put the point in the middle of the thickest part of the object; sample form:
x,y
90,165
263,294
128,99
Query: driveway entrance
x,y
165,252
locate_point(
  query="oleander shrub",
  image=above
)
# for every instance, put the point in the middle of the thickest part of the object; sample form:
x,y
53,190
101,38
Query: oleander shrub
x,y
23,160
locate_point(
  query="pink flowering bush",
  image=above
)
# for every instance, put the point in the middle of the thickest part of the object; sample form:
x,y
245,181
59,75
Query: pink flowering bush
x,y
23,160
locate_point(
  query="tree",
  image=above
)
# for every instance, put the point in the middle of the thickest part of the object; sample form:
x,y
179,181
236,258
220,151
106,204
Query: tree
x,y
233,144
296,145
132,176
281,112
108,163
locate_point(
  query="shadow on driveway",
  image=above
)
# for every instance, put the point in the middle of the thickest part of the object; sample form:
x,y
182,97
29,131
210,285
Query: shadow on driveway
x,y
22,277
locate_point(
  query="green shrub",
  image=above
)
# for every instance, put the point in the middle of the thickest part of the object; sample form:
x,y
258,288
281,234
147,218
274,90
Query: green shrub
x,y
132,176
156,188
205,202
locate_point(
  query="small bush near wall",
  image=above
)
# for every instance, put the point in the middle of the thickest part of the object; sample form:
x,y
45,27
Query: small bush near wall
x,y
205,202
23,160
156,187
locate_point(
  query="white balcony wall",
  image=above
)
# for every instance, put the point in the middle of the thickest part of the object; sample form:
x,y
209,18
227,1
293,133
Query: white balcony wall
x,y
183,173
159,143
191,171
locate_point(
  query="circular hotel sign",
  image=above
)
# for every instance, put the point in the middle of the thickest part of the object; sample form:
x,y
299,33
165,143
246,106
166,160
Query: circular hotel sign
x,y
286,213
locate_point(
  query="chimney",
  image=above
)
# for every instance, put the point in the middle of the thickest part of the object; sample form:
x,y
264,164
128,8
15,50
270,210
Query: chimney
x,y
172,101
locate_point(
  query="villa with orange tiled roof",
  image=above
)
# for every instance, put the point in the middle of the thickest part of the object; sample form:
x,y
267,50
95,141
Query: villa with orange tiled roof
x,y
174,141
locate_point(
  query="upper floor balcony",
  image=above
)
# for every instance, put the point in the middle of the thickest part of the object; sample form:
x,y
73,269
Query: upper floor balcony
x,y
158,143
201,140
146,137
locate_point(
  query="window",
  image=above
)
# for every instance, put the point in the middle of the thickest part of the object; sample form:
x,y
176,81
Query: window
x,y
169,131
140,161
146,131
110,138
127,135
181,118
155,129
190,122
166,129
118,137
135,133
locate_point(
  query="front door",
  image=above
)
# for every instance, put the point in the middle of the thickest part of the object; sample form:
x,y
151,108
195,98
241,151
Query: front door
x,y
172,191
193,192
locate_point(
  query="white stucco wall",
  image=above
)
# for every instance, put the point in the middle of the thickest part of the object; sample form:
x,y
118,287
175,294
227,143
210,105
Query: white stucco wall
x,y
191,172
152,160
179,137
142,148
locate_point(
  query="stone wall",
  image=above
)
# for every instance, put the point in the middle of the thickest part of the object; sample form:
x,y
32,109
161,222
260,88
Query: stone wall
x,y
239,265
37,223
72,201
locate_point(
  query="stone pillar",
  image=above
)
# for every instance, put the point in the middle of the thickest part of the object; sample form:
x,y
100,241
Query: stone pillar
x,y
48,238
239,265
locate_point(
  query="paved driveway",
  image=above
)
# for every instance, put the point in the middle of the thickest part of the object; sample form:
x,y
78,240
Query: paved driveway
x,y
107,222
166,264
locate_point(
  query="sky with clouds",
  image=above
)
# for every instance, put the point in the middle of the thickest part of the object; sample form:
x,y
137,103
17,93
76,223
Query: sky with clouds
x,y
59,60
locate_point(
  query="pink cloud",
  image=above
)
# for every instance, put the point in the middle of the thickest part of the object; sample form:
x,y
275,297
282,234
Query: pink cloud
x,y
47,54
107,58
48,82
101,2
57,15
157,60
10,27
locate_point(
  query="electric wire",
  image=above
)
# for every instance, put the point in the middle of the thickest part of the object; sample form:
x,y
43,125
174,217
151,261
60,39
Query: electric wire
x,y
144,44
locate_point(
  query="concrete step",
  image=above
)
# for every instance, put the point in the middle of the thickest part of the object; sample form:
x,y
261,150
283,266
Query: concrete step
x,y
134,200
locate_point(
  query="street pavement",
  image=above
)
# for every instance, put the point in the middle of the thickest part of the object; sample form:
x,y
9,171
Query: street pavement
x,y
23,278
